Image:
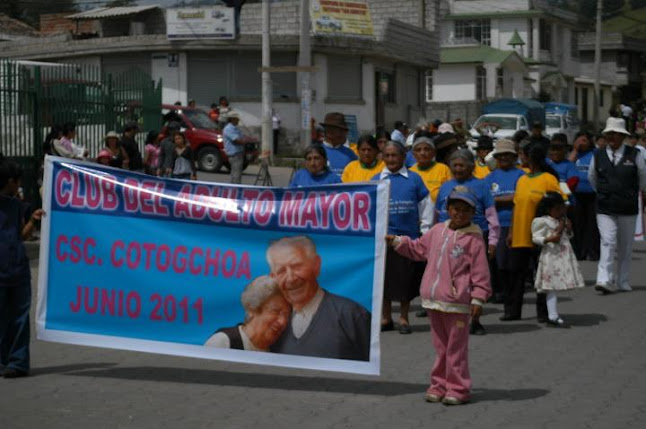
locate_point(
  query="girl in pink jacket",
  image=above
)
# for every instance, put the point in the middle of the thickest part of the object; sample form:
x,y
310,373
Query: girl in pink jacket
x,y
454,287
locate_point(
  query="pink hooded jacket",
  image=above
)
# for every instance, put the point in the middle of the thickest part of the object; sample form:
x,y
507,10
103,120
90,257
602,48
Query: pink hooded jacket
x,y
457,272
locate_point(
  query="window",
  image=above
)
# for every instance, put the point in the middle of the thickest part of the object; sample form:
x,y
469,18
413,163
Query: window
x,y
428,79
481,83
545,36
500,80
600,97
477,29
574,44
344,78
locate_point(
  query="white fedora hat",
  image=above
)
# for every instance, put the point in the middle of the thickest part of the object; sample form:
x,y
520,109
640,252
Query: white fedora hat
x,y
615,125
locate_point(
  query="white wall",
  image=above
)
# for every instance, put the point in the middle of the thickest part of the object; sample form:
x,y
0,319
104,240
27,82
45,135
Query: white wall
x,y
454,82
174,79
504,30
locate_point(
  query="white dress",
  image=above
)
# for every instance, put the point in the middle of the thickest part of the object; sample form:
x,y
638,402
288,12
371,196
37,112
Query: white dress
x,y
558,268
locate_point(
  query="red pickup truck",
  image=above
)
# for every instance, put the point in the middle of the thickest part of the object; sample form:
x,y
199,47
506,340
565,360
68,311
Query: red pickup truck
x,y
205,137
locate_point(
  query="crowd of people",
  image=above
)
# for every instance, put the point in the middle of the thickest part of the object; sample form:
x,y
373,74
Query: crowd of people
x,y
465,227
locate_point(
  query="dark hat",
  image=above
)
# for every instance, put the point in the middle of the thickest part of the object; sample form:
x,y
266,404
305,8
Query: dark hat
x,y
130,126
399,124
537,124
463,193
485,142
335,119
437,122
445,140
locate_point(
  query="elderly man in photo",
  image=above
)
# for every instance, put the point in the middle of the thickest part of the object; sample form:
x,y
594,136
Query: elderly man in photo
x,y
336,145
322,324
617,172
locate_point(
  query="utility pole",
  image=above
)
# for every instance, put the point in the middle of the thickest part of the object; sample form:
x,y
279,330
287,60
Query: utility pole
x,y
266,86
305,60
597,67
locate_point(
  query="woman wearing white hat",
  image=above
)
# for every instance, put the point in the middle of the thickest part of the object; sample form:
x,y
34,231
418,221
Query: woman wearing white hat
x,y
618,173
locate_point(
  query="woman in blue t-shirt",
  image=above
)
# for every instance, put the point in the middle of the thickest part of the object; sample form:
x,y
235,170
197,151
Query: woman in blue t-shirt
x,y
586,233
316,171
502,184
410,212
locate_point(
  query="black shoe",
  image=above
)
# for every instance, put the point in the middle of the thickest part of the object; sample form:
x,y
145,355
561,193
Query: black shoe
x,y
14,373
421,313
603,289
405,329
477,328
558,323
509,317
390,326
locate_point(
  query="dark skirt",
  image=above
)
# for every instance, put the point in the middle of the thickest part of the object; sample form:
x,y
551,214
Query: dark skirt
x,y
403,277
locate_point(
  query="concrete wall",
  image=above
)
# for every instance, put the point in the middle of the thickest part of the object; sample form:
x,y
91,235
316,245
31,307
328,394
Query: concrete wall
x,y
502,31
454,82
174,79
285,15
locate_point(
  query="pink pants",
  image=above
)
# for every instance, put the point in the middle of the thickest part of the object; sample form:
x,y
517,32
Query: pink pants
x,y
450,372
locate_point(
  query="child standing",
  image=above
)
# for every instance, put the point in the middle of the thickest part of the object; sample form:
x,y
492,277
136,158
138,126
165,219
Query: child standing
x,y
15,277
558,268
454,287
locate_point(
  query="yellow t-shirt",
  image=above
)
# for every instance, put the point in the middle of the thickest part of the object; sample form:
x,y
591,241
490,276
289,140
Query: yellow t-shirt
x,y
480,171
355,172
433,177
530,189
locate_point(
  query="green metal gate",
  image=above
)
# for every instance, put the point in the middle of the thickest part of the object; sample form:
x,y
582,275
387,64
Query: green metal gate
x,y
35,96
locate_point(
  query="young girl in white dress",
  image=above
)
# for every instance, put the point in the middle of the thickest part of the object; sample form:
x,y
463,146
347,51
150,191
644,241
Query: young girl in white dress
x,y
558,268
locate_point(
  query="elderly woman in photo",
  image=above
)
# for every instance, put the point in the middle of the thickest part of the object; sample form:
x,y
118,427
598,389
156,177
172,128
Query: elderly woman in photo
x,y
266,316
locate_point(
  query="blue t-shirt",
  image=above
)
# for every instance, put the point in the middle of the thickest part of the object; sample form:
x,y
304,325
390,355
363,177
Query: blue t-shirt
x,y
230,134
338,157
501,183
304,178
410,159
565,170
582,166
405,196
480,189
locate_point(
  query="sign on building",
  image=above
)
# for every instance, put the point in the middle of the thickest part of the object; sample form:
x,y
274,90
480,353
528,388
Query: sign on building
x,y
216,22
348,18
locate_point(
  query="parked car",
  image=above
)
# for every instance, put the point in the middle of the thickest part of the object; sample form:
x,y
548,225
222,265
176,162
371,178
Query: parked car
x,y
561,118
502,118
205,137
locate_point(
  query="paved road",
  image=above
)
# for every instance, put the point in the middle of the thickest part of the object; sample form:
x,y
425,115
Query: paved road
x,y
525,375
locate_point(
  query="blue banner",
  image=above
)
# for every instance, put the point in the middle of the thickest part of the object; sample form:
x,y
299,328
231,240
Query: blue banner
x,y
288,277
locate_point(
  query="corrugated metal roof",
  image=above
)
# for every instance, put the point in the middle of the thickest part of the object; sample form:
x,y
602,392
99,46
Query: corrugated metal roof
x,y
110,12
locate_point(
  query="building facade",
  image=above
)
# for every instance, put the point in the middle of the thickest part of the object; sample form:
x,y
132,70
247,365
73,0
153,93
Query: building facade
x,y
378,80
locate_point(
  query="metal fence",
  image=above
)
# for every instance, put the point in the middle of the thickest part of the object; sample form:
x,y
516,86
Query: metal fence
x,y
35,96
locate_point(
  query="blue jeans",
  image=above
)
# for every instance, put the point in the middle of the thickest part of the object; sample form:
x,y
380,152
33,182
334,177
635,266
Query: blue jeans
x,y
15,303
